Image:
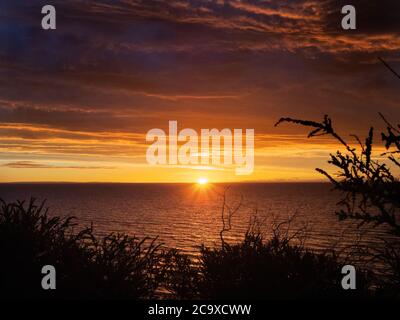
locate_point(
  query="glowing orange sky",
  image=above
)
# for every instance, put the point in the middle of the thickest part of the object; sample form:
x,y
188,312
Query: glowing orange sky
x,y
76,103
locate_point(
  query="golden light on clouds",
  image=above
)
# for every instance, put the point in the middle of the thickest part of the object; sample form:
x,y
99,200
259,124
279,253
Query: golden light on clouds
x,y
79,110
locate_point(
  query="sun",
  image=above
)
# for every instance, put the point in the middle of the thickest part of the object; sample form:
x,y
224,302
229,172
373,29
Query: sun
x,y
202,181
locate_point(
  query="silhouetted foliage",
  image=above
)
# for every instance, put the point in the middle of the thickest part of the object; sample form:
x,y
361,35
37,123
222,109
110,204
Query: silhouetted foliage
x,y
371,190
123,267
117,266
258,269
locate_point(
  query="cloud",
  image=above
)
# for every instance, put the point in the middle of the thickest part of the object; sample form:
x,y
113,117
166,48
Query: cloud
x,y
37,165
115,69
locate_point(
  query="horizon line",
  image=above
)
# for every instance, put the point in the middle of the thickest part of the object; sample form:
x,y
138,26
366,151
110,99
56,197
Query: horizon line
x,y
161,182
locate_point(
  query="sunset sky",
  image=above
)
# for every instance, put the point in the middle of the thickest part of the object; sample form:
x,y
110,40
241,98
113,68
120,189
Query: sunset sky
x,y
76,102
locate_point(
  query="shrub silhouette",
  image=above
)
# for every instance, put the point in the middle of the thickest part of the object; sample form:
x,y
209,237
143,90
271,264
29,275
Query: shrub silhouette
x,y
117,266
371,190
258,269
123,267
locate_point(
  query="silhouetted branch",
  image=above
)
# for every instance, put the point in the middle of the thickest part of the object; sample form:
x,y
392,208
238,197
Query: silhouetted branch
x,y
227,218
389,67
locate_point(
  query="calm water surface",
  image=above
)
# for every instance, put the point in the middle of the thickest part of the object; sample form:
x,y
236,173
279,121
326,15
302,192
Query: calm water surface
x,y
185,215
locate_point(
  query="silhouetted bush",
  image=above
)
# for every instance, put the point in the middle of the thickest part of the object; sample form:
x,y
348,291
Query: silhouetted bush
x,y
123,267
371,191
117,266
258,269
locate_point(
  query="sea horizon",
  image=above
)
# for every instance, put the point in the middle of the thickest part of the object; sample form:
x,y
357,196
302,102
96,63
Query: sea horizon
x,y
161,182
186,215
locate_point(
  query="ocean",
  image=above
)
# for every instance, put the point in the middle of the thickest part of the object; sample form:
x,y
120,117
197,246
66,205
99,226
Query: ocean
x,y
184,216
